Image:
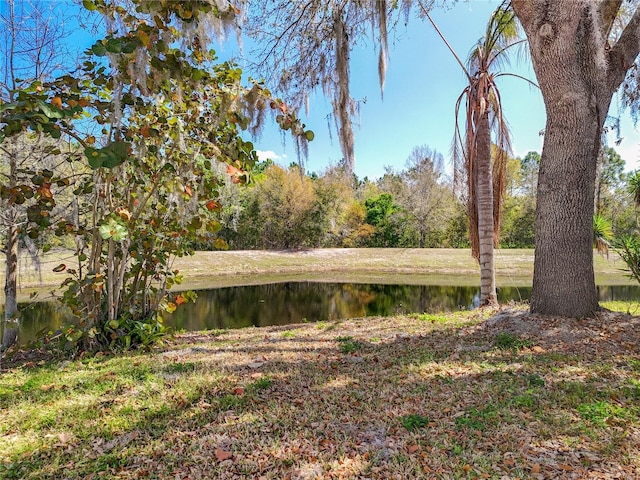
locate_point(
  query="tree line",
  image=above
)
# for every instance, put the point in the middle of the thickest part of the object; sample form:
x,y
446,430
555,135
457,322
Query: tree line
x,y
416,206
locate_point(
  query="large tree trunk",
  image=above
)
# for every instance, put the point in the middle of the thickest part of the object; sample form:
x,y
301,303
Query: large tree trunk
x,y
577,73
563,281
484,203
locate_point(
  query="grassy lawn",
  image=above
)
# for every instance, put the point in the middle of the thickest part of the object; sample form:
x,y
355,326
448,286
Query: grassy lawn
x,y
422,396
465,395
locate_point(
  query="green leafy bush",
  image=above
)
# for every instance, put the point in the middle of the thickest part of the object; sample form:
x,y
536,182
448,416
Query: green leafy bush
x,y
629,250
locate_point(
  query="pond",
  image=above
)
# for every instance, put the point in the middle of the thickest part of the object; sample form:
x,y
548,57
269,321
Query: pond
x,y
294,302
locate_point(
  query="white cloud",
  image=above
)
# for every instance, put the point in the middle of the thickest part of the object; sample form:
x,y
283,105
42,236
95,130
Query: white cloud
x,y
268,154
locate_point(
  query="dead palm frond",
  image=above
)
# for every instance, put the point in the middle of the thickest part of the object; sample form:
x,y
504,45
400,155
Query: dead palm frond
x,y
481,97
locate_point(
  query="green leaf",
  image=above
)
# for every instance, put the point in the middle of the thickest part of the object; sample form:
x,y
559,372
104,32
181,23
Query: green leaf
x,y
99,49
109,157
8,106
114,45
93,157
89,5
37,179
49,111
117,153
74,335
113,230
197,75
309,135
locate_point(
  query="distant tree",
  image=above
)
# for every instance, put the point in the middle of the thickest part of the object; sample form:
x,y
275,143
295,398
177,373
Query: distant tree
x,y
517,228
457,228
609,177
354,230
427,198
334,189
423,195
530,164
383,214
290,211
520,202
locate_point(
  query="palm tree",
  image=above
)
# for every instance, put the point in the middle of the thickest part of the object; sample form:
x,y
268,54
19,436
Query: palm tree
x,y
484,176
633,187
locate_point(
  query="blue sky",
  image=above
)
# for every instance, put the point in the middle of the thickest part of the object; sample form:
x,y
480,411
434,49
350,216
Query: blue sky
x,y
422,85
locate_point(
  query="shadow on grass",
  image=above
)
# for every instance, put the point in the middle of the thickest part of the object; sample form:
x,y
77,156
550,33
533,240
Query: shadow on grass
x,y
298,407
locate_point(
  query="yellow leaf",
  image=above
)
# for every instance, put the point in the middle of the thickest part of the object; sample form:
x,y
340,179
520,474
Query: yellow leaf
x,y
144,38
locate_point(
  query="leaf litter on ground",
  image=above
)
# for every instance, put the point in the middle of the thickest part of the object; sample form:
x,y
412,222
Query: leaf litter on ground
x,y
485,394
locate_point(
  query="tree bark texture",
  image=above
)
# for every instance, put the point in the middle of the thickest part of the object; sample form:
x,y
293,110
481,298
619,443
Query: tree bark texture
x,y
484,203
11,319
578,73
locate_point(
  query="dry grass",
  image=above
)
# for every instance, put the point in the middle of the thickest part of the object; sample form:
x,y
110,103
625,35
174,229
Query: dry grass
x,y
430,396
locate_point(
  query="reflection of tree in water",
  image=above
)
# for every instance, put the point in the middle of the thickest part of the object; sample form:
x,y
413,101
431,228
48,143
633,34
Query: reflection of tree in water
x,y
618,292
518,294
285,303
294,302
39,319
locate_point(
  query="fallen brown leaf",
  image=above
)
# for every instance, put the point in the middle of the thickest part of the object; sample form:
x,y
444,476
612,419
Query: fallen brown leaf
x,y
413,448
222,454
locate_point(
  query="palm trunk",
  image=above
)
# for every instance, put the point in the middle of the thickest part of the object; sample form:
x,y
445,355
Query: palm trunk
x,y
484,205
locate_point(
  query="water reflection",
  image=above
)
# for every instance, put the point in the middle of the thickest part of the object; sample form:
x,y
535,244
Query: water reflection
x,y
294,302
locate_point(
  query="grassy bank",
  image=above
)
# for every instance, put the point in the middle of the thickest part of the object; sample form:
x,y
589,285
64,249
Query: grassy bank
x,y
372,265
430,396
